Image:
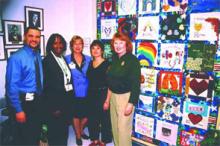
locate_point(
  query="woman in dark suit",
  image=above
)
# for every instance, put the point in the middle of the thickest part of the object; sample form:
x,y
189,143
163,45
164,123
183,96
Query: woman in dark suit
x,y
58,90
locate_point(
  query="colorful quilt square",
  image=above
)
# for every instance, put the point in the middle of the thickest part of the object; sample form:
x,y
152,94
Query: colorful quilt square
x,y
173,27
170,82
200,56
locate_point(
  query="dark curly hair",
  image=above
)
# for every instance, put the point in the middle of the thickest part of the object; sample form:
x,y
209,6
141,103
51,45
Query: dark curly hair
x,y
51,40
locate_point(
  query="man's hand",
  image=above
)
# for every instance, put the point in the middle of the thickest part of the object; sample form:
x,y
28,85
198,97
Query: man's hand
x,y
128,109
20,117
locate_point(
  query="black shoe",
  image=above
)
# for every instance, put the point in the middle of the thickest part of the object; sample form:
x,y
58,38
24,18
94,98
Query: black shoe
x,y
79,142
84,136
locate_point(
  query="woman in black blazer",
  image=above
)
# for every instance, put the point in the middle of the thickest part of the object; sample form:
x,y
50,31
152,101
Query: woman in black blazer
x,y
58,91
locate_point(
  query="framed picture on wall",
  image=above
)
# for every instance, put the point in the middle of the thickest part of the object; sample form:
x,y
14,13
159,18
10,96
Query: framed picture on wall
x,y
34,17
2,50
42,46
13,32
1,27
10,51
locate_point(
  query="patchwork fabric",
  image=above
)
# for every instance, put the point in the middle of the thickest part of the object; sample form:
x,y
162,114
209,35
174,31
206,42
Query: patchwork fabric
x,y
168,108
128,26
144,125
195,114
126,7
178,5
170,82
166,132
199,86
149,6
148,80
108,8
204,26
190,138
146,53
171,56
208,5
108,28
146,103
200,56
173,27
148,28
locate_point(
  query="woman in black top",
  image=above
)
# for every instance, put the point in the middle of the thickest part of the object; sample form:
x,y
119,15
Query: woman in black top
x,y
58,91
99,116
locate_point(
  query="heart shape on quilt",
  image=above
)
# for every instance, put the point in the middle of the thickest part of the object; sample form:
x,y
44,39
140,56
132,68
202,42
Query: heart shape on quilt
x,y
198,87
195,119
108,6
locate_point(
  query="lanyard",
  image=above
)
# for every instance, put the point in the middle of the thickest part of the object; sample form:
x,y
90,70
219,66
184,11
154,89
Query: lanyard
x,y
64,68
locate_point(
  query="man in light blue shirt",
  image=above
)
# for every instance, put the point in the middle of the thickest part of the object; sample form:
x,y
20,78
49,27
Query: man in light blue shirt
x,y
24,80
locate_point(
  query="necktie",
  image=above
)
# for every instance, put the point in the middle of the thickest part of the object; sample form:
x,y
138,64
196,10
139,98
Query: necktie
x,y
38,78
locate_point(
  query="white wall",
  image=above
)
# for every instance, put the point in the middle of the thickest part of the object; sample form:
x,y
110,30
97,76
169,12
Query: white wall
x,y
67,17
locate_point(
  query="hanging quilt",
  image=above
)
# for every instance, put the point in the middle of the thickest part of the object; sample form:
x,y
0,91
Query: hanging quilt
x,y
171,56
108,28
173,27
204,26
190,138
107,51
174,5
146,103
128,26
200,56
126,7
169,109
108,8
148,28
195,114
204,5
149,6
166,132
144,125
146,53
170,82
200,86
148,80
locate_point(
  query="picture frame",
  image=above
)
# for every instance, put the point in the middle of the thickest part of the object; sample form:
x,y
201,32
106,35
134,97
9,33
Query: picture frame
x,y
1,24
42,46
2,50
34,17
10,51
14,31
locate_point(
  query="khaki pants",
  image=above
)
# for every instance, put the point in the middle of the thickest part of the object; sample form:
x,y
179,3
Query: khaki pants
x,y
121,124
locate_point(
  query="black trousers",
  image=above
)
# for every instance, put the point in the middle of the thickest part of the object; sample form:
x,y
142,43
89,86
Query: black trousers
x,y
99,120
57,130
27,133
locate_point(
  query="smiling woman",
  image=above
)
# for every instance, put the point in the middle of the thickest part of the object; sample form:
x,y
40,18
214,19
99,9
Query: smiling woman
x,y
123,78
58,91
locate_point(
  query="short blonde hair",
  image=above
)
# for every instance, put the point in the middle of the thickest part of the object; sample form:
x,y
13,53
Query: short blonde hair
x,y
73,40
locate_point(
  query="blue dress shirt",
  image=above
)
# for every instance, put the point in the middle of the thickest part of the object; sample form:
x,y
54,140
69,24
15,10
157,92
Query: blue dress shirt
x,y
80,80
21,75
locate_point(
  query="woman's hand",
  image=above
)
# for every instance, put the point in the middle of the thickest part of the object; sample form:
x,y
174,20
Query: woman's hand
x,y
128,109
106,105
